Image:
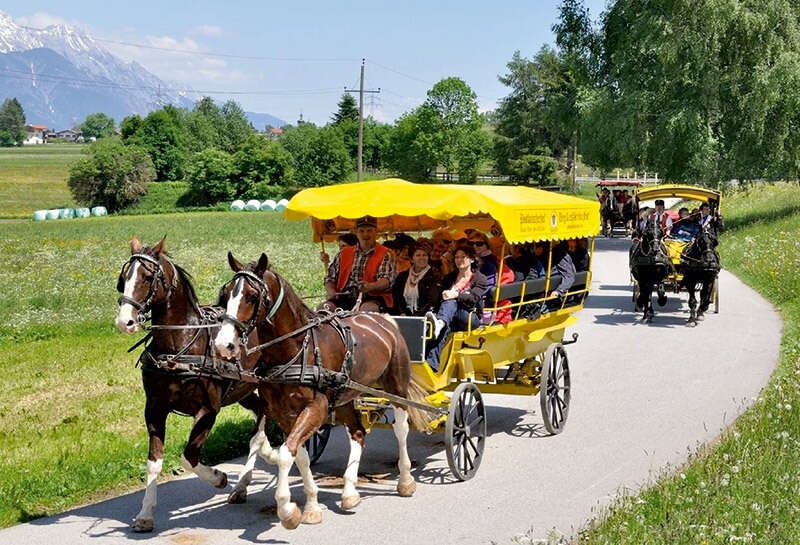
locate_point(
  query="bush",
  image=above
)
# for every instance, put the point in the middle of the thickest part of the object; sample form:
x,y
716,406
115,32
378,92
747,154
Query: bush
x,y
320,155
209,176
112,175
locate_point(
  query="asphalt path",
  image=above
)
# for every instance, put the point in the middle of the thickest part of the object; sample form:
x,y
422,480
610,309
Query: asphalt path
x,y
644,396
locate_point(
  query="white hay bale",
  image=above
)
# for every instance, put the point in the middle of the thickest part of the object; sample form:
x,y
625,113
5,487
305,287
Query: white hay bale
x,y
281,205
268,205
53,214
253,204
82,212
99,211
237,205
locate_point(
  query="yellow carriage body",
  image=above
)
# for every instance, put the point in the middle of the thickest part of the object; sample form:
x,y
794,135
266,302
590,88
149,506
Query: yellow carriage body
x,y
483,355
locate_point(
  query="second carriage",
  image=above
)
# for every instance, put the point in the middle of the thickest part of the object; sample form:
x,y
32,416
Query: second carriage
x,y
525,356
673,247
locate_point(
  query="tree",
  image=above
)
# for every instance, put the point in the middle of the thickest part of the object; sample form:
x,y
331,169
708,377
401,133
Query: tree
x,y
261,161
235,127
12,123
319,155
699,91
129,126
161,134
411,151
347,110
209,174
97,125
112,175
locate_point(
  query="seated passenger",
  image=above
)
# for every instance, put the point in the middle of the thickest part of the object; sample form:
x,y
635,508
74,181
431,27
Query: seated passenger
x,y
687,227
561,265
504,312
578,253
347,239
363,272
444,240
462,301
417,290
487,261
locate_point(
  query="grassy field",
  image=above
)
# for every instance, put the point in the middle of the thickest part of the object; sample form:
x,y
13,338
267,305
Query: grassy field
x,y
71,405
745,488
35,177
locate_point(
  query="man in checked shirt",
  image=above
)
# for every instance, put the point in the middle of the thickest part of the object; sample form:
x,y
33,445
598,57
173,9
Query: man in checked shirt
x,y
366,269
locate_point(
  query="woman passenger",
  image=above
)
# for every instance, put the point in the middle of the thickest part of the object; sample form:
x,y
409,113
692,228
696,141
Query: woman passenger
x,y
462,301
417,290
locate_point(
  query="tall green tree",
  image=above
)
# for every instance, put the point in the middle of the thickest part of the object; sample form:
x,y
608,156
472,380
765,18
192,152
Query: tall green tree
x,y
97,125
699,91
261,161
319,154
12,123
129,125
235,128
347,110
162,135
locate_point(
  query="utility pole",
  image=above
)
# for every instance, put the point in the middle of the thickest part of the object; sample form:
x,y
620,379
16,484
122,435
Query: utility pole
x,y
361,92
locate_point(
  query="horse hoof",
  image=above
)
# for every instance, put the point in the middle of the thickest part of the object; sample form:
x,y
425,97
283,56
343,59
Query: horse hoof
x,y
293,521
350,502
407,490
312,517
223,480
701,317
141,526
691,323
238,496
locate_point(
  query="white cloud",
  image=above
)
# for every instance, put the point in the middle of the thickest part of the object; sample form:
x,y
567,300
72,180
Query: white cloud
x,y
211,31
42,19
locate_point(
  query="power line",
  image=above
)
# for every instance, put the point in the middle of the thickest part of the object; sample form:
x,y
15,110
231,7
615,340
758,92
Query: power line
x,y
24,75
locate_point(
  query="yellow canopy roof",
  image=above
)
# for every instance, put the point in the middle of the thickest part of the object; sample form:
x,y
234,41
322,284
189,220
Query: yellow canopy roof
x,y
524,213
691,192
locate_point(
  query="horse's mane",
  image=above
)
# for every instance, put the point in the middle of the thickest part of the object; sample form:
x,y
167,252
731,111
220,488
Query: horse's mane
x,y
289,293
184,277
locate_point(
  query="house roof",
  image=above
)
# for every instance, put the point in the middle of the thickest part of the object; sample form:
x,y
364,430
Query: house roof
x,y
276,131
37,127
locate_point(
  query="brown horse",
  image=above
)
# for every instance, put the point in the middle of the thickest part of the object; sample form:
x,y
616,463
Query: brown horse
x,y
151,282
258,298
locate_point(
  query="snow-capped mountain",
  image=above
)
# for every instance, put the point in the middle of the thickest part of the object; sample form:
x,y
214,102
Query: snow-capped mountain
x,y
61,74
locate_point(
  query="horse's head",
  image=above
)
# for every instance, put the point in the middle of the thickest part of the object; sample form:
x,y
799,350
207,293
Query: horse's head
x,y
251,297
144,281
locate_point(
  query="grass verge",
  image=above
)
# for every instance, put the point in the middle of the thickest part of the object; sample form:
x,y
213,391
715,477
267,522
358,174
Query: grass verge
x,y
744,489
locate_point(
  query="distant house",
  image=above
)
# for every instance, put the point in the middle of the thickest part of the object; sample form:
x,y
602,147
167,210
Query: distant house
x,y
35,134
68,135
274,133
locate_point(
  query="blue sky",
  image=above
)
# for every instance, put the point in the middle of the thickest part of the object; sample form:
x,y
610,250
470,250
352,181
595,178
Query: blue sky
x,y
423,41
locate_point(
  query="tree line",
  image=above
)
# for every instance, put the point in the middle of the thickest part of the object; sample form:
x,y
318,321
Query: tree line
x,y
701,92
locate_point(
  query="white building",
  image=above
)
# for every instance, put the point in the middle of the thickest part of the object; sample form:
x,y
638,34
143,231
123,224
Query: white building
x,y
35,134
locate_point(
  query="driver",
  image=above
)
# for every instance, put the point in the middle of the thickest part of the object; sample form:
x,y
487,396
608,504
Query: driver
x,y
363,272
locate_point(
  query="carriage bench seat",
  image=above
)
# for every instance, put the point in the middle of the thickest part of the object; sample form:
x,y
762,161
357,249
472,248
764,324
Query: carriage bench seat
x,y
535,289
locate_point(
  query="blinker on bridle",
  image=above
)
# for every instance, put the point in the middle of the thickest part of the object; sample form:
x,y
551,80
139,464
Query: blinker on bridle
x,y
158,275
245,328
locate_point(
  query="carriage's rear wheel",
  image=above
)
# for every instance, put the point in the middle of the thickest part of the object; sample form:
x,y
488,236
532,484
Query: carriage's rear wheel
x,y
465,432
554,395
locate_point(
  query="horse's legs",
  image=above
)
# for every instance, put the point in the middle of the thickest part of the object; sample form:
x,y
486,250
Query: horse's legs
x,y
691,286
308,422
646,299
705,292
203,422
406,486
239,493
312,513
347,415
156,420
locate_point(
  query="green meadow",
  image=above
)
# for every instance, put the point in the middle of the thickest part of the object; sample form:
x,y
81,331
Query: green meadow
x,y
71,405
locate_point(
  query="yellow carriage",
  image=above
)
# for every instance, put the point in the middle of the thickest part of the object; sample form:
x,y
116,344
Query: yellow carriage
x,y
673,247
525,356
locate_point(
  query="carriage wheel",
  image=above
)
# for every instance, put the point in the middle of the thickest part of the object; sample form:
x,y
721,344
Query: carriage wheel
x,y
465,432
715,295
554,395
317,443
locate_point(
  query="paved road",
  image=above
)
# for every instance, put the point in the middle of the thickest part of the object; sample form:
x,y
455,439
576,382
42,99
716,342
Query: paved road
x,y
643,396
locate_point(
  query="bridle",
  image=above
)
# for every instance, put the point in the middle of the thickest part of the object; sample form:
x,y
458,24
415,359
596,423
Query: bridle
x,y
245,328
143,308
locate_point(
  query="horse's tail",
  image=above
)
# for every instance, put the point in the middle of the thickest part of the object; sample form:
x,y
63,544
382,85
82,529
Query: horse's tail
x,y
420,419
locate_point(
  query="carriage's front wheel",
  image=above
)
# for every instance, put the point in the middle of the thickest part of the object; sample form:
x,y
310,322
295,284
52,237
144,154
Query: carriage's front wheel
x,y
554,395
465,431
